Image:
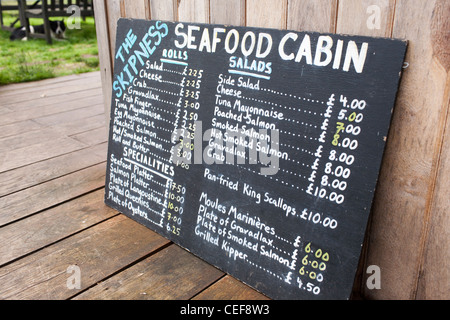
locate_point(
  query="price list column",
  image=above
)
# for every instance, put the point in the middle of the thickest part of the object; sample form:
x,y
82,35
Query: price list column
x,y
330,186
333,181
183,140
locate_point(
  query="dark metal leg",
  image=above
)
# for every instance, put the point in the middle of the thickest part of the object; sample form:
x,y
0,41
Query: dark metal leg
x,y
48,33
23,19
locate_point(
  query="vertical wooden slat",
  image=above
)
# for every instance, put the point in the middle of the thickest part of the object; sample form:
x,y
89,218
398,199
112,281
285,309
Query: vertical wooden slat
x,y
228,12
193,11
138,9
401,213
434,275
113,8
312,15
163,9
116,9
369,18
366,17
267,13
104,54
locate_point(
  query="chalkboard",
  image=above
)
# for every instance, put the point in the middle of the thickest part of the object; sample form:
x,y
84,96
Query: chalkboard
x,y
258,150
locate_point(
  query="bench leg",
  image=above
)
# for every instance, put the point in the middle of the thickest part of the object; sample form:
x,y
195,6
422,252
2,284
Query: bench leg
x,y
47,30
23,19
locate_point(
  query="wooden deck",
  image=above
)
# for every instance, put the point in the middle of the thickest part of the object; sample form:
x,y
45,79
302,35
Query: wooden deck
x,y
53,222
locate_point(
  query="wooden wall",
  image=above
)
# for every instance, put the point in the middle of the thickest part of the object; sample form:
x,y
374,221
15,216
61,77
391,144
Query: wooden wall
x,y
408,235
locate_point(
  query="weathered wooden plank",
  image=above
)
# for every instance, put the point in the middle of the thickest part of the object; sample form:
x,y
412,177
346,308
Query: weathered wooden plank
x,y
19,127
113,9
228,288
312,15
27,138
366,17
5,109
46,82
45,228
401,209
45,150
71,115
228,12
434,274
172,273
40,172
434,280
193,11
97,252
104,54
138,9
59,100
28,132
61,92
53,87
40,197
163,10
80,125
42,108
92,137
267,13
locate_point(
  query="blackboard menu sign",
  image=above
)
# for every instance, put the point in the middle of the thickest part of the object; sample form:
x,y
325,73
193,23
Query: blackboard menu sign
x,y
258,150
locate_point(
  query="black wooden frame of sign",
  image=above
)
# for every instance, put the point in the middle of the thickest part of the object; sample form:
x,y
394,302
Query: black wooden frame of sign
x,y
256,149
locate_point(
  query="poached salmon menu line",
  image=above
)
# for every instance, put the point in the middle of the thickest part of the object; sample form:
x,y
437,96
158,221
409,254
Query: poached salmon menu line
x,y
258,150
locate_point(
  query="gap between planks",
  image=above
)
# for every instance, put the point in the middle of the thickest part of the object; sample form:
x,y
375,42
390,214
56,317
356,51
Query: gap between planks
x,y
35,199
52,225
38,173
98,251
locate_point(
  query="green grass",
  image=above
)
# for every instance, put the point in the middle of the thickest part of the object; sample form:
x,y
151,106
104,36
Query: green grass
x,y
31,60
